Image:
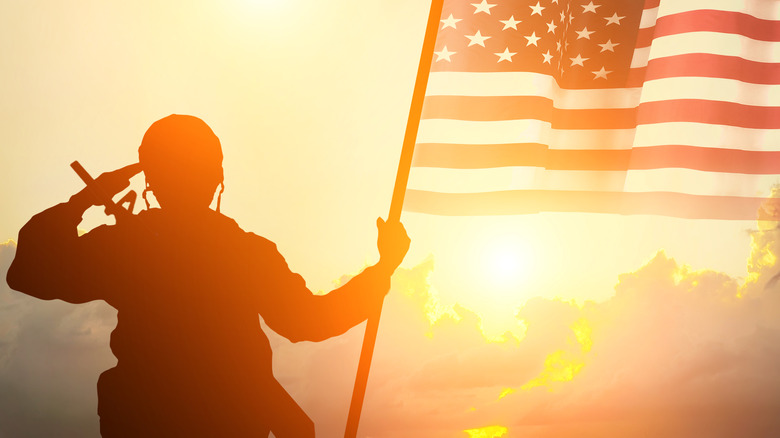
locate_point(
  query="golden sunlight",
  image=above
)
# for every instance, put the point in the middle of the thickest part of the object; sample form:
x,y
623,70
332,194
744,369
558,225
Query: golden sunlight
x,y
559,366
487,432
562,366
506,263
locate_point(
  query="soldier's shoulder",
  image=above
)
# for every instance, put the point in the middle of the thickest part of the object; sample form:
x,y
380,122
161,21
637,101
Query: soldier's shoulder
x,y
249,237
261,243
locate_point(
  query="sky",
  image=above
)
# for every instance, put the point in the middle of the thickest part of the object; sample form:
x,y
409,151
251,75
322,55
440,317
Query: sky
x,y
310,100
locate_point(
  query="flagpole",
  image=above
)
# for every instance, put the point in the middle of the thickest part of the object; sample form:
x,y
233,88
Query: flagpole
x,y
397,202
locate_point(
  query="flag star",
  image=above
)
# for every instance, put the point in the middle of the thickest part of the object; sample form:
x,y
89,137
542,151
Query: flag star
x,y
590,7
483,7
609,45
578,61
551,26
547,58
450,22
537,9
563,16
571,17
444,54
510,23
584,33
555,2
477,38
614,19
532,39
559,45
601,73
506,55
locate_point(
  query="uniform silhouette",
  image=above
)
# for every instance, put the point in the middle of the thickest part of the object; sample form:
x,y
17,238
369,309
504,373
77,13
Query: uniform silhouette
x,y
188,284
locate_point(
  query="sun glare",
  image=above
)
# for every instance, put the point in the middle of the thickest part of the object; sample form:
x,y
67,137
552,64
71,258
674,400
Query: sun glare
x,y
487,432
506,263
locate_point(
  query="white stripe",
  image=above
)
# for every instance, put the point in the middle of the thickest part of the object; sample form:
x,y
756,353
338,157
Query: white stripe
x,y
528,84
697,182
764,9
706,135
715,43
494,132
521,131
445,83
686,181
513,178
641,55
648,18
725,90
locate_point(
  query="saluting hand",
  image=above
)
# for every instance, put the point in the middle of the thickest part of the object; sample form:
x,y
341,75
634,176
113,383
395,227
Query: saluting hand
x,y
107,185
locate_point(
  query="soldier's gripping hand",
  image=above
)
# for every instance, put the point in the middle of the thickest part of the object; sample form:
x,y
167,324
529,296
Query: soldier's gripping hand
x,y
393,243
105,187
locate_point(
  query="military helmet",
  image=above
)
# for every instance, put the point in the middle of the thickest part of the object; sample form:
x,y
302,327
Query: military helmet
x,y
181,148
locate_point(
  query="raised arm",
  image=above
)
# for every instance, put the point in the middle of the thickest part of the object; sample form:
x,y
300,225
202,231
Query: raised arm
x,y
52,261
290,309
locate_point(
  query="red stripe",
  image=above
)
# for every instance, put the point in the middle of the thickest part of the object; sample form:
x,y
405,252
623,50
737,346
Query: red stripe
x,y
709,111
713,66
718,21
484,108
485,156
644,38
535,201
490,108
707,159
636,77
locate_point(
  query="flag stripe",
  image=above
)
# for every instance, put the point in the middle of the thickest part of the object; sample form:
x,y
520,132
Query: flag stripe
x,y
512,131
725,22
528,84
694,182
636,77
459,156
767,10
477,108
648,17
534,201
705,136
697,182
669,133
480,108
709,111
645,37
514,178
711,89
713,66
715,43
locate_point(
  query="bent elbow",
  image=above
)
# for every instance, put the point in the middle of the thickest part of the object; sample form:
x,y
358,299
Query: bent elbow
x,y
25,281
15,278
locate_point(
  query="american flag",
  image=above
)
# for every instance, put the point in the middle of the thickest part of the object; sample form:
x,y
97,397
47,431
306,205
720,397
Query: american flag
x,y
663,107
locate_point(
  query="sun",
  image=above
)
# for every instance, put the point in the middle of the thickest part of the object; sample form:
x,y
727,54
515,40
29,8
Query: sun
x,y
507,263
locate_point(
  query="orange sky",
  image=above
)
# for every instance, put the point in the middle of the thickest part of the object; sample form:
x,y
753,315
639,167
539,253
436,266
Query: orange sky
x,y
310,100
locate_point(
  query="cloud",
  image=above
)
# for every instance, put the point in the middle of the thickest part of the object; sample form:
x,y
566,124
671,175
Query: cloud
x,y
51,354
675,352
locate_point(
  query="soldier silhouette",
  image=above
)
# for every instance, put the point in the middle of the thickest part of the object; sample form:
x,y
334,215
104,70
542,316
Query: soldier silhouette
x,y
188,285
